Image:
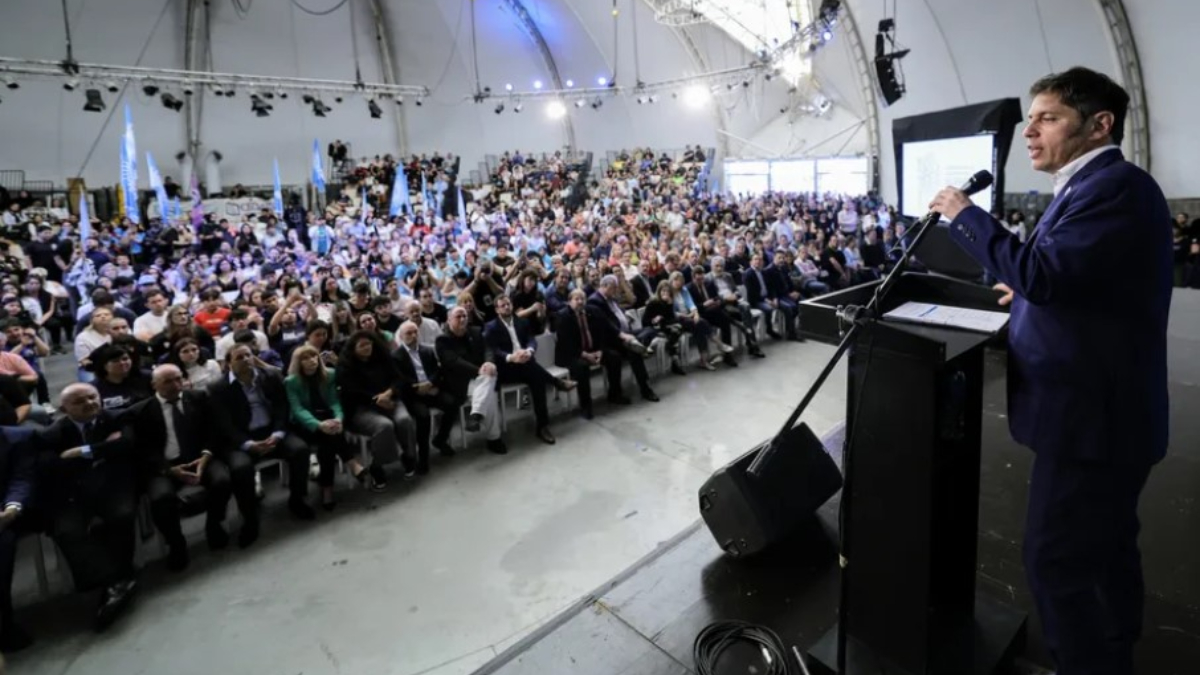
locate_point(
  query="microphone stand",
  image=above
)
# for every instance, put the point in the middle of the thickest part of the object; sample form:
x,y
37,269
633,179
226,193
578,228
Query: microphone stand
x,y
858,318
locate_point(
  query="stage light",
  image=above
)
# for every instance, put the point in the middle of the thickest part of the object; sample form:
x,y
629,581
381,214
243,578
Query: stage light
x,y
189,89
319,108
570,83
508,87
149,89
419,104
695,96
537,84
640,100
399,100
518,107
374,109
602,81
71,84
94,102
337,99
260,107
499,108
653,98
171,102
11,83
580,103
555,110
112,87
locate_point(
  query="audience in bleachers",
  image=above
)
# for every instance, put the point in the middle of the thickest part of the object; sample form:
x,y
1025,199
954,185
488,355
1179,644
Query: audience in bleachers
x,y
364,339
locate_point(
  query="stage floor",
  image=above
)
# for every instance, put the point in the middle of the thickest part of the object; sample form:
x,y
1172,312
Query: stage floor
x,y
644,620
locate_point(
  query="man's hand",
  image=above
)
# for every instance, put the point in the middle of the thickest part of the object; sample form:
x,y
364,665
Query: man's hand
x,y
425,388
950,202
7,516
488,370
1007,298
263,446
592,357
73,453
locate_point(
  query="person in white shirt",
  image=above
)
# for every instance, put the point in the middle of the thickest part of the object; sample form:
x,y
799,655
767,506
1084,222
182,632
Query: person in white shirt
x,y
848,219
153,322
428,330
96,334
239,319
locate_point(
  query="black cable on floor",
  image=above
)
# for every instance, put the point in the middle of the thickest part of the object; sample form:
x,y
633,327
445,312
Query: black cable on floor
x,y
717,637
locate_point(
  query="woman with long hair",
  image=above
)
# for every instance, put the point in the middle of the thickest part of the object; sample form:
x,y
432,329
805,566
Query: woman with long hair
x,y
200,370
689,318
179,326
369,378
119,383
318,417
660,315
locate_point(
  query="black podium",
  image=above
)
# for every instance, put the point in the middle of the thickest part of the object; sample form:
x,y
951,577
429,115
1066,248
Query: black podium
x,y
913,426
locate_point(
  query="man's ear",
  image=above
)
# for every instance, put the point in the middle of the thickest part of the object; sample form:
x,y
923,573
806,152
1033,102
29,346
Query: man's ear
x,y
1102,124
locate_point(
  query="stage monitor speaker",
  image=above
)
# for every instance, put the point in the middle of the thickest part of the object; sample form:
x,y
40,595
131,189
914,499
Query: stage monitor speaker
x,y
747,514
889,86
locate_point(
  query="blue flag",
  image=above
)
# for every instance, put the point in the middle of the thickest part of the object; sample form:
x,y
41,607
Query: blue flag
x,y
156,184
85,220
400,199
178,209
277,198
362,211
129,170
318,171
462,210
424,192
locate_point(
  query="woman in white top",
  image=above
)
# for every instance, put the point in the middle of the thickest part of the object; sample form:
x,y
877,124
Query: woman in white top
x,y
200,370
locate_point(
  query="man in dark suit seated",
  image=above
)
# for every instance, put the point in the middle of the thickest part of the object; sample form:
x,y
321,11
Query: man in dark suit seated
x,y
1087,363
175,442
86,492
420,374
469,374
763,293
711,308
734,306
642,290
16,491
252,417
578,348
617,338
513,344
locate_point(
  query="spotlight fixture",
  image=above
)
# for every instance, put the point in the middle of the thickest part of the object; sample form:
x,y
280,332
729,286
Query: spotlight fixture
x,y
149,89
94,102
570,83
189,89
508,87
597,103
555,110
602,81
260,107
71,84
319,108
374,109
580,103
518,107
268,94
308,99
11,83
499,108
229,92
653,98
537,84
171,102
399,100
418,102
112,87
640,100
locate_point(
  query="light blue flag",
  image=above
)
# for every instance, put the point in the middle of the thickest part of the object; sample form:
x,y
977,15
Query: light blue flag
x,y
462,210
85,220
177,211
277,198
400,199
362,211
156,184
318,171
424,192
129,170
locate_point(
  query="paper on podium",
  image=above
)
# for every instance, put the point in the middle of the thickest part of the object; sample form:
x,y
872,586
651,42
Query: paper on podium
x,y
949,316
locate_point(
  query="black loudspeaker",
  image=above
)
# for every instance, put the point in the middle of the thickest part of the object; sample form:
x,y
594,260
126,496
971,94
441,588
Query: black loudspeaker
x,y
748,513
889,86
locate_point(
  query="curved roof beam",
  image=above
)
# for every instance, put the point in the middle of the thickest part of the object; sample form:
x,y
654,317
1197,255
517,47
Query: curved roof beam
x,y
863,67
1131,74
531,29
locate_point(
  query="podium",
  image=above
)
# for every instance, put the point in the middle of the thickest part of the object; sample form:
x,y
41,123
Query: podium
x,y
913,410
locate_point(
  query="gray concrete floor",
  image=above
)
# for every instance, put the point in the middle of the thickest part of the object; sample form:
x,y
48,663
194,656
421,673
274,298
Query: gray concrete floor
x,y
438,576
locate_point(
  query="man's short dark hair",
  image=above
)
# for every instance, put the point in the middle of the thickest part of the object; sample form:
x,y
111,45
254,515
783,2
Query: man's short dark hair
x,y
1087,92
123,282
239,313
102,298
154,291
245,336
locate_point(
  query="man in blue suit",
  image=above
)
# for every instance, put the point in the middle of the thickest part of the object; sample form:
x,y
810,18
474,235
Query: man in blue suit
x,y
1087,376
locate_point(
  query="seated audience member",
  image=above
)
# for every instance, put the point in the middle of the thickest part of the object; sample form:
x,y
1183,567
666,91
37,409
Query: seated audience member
x,y
475,318
764,296
513,343
690,319
619,339
211,316
317,336
95,334
15,405
387,322
420,375
199,371
660,315
529,303
179,326
371,400
177,448
577,348
239,319
102,297
469,374
16,490
119,383
24,342
317,415
430,309
286,330
252,415
734,306
807,276
559,293
154,321
427,329
86,492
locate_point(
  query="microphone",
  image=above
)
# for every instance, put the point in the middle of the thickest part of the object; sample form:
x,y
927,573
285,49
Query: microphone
x,y
982,180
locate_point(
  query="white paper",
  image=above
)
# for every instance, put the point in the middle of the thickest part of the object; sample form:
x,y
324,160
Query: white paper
x,y
950,316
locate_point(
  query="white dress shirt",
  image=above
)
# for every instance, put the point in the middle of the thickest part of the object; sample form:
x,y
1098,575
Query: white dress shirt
x,y
1064,175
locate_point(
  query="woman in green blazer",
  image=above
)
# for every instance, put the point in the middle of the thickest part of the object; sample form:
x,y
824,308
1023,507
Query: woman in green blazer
x,y
317,416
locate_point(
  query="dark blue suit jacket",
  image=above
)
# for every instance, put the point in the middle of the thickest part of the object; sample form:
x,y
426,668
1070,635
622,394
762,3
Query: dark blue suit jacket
x,y
1087,368
497,337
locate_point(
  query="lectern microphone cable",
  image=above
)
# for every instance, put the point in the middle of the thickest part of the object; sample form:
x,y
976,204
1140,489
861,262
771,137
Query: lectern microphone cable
x,y
717,637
